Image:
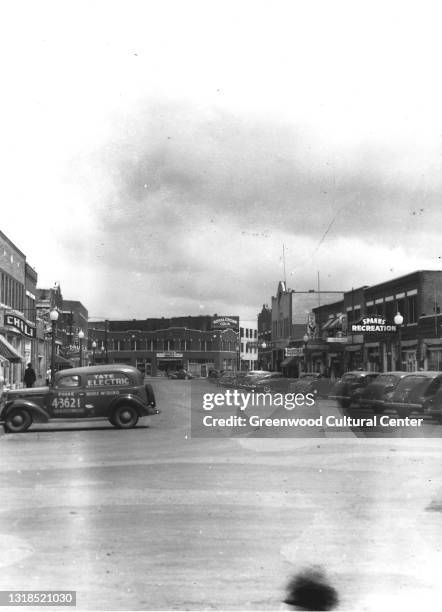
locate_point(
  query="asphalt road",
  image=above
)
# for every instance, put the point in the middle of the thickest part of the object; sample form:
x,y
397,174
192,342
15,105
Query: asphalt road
x,y
170,516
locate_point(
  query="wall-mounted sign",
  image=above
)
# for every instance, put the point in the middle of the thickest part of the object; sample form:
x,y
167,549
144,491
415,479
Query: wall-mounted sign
x,y
225,323
25,328
170,354
294,352
373,324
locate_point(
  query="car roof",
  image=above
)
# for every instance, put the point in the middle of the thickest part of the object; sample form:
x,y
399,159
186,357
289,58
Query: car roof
x,y
361,372
99,369
395,373
426,373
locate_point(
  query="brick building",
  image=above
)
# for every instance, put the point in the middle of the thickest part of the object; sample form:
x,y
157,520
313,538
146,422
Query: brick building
x,y
195,343
340,345
19,332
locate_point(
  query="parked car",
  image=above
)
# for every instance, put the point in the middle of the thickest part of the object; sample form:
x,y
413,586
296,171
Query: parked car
x,y
312,382
416,392
374,394
114,392
348,389
261,382
215,373
227,379
179,374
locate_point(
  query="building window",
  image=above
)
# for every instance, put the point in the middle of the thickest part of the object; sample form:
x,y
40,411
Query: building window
x,y
412,309
241,332
389,312
400,307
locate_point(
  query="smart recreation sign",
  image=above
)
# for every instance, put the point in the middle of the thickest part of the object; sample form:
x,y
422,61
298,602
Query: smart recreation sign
x,y
373,324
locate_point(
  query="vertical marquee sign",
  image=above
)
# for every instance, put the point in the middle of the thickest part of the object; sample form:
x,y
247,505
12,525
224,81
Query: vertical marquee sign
x,y
25,328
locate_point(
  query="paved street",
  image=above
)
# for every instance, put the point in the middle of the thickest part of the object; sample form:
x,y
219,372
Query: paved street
x,y
152,518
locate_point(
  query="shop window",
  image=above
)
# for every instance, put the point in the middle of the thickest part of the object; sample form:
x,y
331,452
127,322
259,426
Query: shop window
x,y
389,311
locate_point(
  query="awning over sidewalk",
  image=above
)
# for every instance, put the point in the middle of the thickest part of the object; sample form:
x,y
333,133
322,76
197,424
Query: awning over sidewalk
x,y
59,360
288,361
9,352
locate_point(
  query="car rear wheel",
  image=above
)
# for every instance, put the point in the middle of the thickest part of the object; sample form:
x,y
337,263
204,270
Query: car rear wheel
x,y
18,421
124,417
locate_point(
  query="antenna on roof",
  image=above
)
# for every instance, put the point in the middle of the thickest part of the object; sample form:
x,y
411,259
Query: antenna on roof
x,y
319,291
283,263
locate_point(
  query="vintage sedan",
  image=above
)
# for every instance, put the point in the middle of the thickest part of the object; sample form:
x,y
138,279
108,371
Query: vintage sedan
x,y
348,389
115,392
374,394
415,392
312,382
262,382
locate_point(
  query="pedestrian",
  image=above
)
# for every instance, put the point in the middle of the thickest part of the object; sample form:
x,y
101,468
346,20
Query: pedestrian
x,y
30,376
48,377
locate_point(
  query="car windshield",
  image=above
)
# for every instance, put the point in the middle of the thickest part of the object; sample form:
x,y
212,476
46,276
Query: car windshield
x,y
412,381
386,379
349,377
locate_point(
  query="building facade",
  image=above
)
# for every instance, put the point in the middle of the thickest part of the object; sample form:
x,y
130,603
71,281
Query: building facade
x,y
21,333
264,338
73,320
156,346
249,344
293,323
360,331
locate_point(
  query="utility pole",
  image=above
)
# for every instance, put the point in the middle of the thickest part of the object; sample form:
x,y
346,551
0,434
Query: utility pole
x,y
105,341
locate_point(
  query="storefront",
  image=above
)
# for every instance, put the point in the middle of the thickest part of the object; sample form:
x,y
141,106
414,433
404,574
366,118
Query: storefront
x,y
11,363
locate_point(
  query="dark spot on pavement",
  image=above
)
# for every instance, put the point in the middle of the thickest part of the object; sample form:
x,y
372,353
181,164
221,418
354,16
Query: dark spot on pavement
x,y
309,590
434,507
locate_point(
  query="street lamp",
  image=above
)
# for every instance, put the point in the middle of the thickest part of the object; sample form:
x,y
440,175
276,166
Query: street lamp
x,y
305,339
53,315
94,346
398,320
80,337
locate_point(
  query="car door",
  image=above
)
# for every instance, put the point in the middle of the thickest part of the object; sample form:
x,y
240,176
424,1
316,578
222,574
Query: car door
x,y
66,399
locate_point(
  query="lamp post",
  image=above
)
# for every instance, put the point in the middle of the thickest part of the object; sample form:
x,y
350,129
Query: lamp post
x,y
54,318
80,337
261,359
398,320
94,346
305,339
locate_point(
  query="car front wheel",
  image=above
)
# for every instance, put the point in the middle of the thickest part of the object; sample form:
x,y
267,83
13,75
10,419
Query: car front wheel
x,y
18,421
124,417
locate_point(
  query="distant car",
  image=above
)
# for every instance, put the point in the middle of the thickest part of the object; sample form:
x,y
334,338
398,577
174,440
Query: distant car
x,y
180,374
263,382
416,392
227,378
374,394
348,389
115,392
314,383
214,374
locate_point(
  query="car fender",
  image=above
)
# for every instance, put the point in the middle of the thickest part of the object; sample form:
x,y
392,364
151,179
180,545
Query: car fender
x,y
133,400
38,413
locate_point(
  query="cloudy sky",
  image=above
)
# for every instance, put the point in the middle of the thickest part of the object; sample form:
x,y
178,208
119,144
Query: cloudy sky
x,y
157,155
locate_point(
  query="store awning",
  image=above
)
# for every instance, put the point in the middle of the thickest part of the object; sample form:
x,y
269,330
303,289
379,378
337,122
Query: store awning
x,y
9,352
59,360
329,323
288,361
353,348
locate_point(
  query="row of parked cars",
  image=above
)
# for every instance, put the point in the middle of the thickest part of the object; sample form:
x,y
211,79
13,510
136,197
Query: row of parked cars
x,y
404,392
